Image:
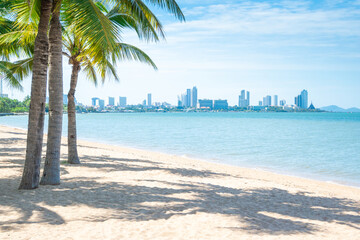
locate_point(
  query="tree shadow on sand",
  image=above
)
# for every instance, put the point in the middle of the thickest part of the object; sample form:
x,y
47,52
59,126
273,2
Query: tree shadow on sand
x,y
259,210
127,164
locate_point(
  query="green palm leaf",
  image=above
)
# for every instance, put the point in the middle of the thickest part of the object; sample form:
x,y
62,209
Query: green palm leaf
x,y
14,73
88,21
128,52
169,5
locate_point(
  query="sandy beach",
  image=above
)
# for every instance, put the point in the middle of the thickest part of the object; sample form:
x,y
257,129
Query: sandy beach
x,y
123,193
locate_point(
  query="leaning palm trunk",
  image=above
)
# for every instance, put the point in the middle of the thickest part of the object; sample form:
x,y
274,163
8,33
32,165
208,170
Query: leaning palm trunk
x,y
31,173
73,157
51,174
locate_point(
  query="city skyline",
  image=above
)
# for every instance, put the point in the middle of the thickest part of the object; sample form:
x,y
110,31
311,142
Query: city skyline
x,y
189,99
232,99
266,47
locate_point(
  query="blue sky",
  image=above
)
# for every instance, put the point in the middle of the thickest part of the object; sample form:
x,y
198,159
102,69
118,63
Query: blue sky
x,y
266,47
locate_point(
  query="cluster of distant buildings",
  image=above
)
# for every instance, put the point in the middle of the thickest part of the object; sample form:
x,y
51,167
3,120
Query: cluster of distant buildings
x,y
100,103
189,100
301,101
97,102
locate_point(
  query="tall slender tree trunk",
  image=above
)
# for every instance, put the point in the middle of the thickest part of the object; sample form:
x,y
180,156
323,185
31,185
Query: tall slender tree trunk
x,y
73,157
31,173
51,174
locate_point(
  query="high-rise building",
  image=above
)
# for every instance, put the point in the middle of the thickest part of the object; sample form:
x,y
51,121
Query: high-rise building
x,y
206,103
302,100
268,100
244,101
220,104
144,103
275,100
122,101
282,103
93,101
101,103
183,100
260,103
188,97
111,101
149,99
194,97
298,100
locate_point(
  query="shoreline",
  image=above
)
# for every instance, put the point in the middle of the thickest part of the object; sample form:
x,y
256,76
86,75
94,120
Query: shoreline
x,y
124,193
217,161
308,176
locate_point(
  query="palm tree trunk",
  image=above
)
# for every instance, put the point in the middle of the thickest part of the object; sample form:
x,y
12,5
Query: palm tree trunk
x,y
73,157
51,174
31,173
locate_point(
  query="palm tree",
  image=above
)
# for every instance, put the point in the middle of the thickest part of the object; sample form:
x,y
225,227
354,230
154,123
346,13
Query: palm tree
x,y
32,16
80,54
31,173
80,51
83,11
51,174
86,18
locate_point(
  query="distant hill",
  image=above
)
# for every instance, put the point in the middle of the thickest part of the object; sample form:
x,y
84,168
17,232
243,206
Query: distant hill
x,y
353,109
334,108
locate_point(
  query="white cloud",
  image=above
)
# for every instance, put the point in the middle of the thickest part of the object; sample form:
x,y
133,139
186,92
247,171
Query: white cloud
x,y
264,18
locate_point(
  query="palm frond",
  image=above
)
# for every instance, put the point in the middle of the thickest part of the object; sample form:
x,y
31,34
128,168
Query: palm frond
x,y
27,12
15,39
169,5
111,71
129,52
89,68
14,73
89,22
139,18
22,68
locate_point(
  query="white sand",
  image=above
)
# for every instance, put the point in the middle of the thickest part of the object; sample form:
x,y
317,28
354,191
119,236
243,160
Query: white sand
x,y
121,193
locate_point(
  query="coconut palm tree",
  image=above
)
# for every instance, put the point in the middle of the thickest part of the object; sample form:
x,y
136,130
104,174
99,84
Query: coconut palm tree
x,y
78,51
31,173
30,15
80,54
84,13
51,173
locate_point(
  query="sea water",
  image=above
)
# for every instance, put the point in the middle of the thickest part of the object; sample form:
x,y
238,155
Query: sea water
x,y
324,146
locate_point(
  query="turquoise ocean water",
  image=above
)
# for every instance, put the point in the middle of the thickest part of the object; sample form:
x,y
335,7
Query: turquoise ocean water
x,y
324,146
